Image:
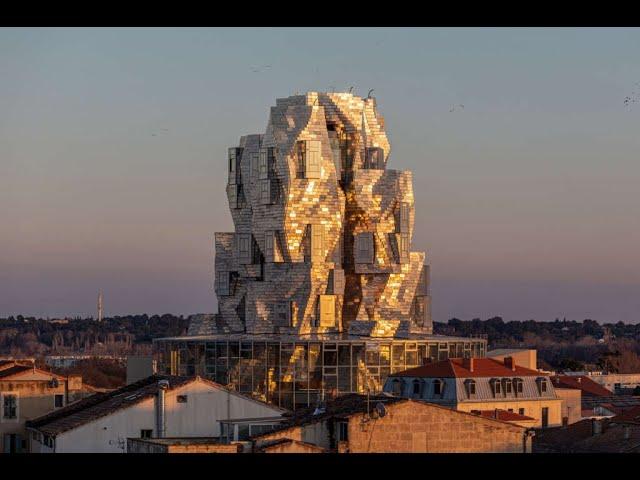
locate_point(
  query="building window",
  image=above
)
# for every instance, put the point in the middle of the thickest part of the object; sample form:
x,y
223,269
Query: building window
x,y
271,161
518,385
343,431
396,387
317,243
542,385
182,398
404,247
507,386
233,165
223,282
521,411
471,387
263,165
9,406
438,387
417,387
364,247
375,158
146,433
312,165
403,220
497,386
58,401
283,314
327,310
545,417
244,248
301,159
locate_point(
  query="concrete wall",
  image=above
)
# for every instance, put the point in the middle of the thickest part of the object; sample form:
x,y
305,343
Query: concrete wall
x,y
206,405
626,380
412,427
35,398
571,403
141,446
527,358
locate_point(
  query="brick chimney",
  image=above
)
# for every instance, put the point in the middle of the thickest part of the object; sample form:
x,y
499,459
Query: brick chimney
x,y
468,363
510,363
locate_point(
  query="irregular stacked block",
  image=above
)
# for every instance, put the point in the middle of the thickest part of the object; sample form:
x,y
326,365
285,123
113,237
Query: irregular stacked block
x,y
322,228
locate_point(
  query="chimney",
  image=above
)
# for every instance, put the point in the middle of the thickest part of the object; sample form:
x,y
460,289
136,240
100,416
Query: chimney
x,y
510,363
468,364
495,413
596,427
163,386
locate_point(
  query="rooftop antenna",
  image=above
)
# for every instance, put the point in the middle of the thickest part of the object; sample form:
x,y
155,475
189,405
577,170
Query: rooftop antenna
x,y
350,89
370,92
100,307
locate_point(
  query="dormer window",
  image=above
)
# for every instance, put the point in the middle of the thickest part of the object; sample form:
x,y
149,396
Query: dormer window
x,y
496,387
507,386
518,386
438,387
542,385
471,388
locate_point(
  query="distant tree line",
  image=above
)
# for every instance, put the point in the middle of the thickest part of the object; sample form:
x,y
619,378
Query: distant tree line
x,y
561,344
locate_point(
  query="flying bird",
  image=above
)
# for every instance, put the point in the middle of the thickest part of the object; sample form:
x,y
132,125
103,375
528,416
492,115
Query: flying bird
x,y
453,108
260,69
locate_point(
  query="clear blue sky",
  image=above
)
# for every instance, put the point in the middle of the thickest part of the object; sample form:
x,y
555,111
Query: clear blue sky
x,y
527,199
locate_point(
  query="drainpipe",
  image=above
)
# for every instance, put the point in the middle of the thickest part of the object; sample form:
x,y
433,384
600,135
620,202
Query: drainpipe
x,y
163,386
528,438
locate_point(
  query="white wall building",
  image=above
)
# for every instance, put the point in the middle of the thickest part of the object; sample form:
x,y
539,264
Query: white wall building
x,y
193,407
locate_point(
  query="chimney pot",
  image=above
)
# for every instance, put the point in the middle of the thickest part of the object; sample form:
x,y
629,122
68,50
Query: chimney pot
x,y
468,363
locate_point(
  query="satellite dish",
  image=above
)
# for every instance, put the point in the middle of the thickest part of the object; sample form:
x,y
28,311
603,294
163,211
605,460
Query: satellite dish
x,y
380,408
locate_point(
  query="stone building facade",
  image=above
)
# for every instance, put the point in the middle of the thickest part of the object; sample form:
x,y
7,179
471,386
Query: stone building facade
x,y
317,284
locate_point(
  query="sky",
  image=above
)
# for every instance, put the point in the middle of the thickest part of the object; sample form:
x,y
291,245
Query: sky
x,y
113,146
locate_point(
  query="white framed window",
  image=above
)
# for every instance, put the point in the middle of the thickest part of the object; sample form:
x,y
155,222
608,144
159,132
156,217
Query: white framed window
x,y
364,249
496,386
471,388
438,387
327,310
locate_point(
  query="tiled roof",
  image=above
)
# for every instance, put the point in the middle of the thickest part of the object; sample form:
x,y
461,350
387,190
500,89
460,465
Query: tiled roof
x,y
267,445
631,416
454,368
579,438
14,370
103,404
583,383
505,416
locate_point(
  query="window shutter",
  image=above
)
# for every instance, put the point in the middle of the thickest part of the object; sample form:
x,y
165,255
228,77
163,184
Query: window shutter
x,y
404,248
269,254
244,248
232,165
317,243
265,192
404,217
223,282
255,160
327,310
364,247
313,159
263,169
233,196
338,282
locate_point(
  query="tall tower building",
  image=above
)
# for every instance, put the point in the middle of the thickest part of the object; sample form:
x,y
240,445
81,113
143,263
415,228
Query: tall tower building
x,y
319,262
100,307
